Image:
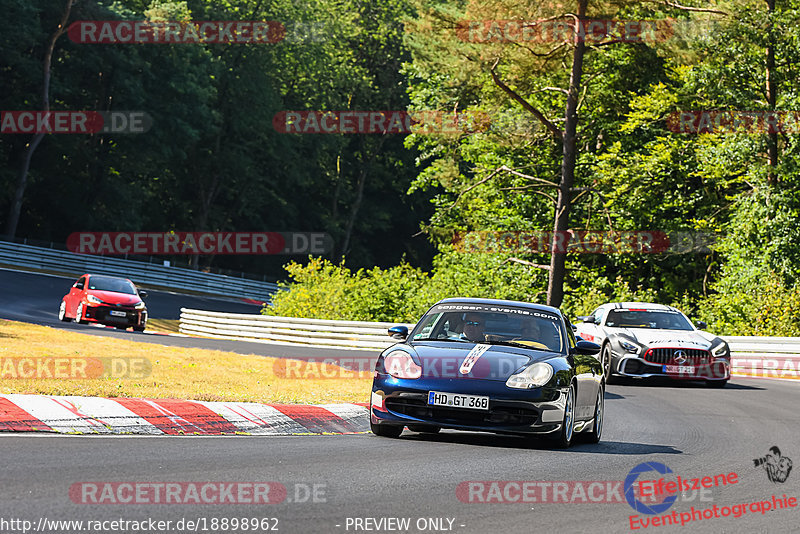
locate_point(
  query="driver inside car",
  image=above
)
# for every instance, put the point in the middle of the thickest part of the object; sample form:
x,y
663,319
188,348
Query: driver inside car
x,y
531,334
473,328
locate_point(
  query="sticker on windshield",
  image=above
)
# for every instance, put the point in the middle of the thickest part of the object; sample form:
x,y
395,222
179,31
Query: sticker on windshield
x,y
472,357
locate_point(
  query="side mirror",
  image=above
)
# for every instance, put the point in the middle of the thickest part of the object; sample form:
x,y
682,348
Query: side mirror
x,y
586,347
702,325
398,332
143,293
78,286
586,318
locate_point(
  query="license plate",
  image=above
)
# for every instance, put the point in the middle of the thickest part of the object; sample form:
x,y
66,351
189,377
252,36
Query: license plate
x,y
118,313
679,369
456,400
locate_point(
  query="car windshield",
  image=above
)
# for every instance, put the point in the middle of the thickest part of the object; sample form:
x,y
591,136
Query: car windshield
x,y
663,320
491,324
106,283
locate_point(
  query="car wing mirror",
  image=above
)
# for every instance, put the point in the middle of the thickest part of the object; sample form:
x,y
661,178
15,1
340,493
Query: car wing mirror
x,y
702,325
586,347
398,332
143,293
586,318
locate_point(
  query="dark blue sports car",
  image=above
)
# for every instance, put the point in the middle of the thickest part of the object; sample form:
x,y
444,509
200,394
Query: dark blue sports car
x,y
489,365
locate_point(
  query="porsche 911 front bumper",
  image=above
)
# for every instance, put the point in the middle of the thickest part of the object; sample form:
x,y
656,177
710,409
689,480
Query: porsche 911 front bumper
x,y
538,411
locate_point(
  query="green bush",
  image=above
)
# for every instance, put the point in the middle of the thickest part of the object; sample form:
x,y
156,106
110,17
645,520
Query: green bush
x,y
324,290
321,289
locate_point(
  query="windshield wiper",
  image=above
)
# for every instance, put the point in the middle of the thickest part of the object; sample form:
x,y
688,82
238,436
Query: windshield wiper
x,y
441,339
520,344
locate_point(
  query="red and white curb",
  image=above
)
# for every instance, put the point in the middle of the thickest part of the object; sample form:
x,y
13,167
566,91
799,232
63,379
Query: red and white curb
x,y
95,415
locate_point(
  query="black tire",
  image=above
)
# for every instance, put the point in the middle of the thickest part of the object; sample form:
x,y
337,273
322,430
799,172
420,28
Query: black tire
x,y
386,431
79,314
138,328
426,429
563,439
716,383
596,433
606,360
62,312
121,327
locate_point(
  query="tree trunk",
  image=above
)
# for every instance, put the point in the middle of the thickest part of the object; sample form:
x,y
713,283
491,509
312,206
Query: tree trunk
x,y
772,98
558,257
22,181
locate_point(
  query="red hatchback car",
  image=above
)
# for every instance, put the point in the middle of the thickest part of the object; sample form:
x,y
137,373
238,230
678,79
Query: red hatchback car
x,y
106,300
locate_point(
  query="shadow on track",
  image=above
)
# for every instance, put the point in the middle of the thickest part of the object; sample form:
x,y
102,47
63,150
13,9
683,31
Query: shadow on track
x,y
678,384
538,443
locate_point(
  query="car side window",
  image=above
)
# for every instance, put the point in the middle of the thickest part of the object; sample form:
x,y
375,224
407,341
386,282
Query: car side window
x,y
571,337
598,315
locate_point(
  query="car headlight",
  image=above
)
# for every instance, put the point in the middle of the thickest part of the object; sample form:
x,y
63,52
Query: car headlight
x,y
139,305
93,299
400,364
721,350
532,376
630,347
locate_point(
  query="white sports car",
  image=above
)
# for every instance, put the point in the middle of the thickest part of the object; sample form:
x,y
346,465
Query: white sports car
x,y
641,340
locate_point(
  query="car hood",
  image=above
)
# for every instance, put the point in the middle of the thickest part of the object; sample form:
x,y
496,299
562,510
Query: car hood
x,y
443,359
685,339
112,297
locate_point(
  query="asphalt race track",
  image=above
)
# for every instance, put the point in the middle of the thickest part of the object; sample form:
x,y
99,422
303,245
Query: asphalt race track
x,y
695,431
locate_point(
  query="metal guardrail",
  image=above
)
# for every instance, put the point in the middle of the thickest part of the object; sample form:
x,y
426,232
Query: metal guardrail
x,y
287,330
777,357
760,356
69,263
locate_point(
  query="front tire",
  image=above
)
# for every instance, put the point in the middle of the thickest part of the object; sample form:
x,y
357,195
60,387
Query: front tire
x,y
386,431
599,412
79,314
565,436
606,361
62,313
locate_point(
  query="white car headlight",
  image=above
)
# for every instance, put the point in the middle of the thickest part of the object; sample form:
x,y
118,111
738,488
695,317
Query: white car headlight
x,y
720,350
139,305
630,347
94,300
532,376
